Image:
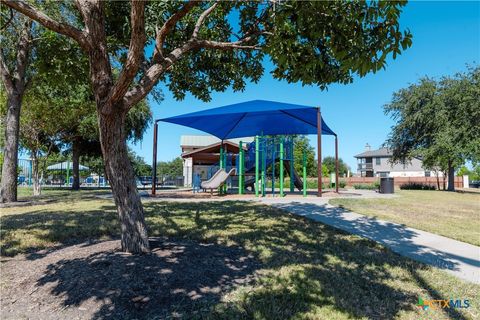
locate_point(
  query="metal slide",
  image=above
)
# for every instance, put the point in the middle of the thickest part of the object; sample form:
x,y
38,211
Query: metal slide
x,y
293,175
218,179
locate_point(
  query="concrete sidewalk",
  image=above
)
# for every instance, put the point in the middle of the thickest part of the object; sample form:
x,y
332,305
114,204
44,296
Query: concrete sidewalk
x,y
458,258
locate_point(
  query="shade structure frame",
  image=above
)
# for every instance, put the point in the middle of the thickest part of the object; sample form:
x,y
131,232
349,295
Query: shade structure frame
x,y
254,118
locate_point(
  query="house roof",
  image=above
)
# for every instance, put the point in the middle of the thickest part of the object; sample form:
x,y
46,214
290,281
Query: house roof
x,y
212,148
382,152
203,141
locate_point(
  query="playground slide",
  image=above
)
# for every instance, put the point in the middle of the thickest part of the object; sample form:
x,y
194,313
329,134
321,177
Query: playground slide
x,y
250,183
218,179
296,179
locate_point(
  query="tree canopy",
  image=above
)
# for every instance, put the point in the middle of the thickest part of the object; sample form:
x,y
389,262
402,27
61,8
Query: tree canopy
x,y
329,163
200,47
438,121
173,168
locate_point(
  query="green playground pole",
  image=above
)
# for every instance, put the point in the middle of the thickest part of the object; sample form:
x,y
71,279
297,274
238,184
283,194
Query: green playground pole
x,y
224,187
264,159
292,168
257,163
304,174
281,168
221,164
240,168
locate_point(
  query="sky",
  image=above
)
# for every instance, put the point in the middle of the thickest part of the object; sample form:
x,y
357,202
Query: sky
x,y
446,37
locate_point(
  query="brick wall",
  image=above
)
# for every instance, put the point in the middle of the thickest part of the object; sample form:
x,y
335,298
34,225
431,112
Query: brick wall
x,y
399,180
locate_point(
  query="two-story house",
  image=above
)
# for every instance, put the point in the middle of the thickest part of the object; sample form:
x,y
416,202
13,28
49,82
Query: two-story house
x,y
378,163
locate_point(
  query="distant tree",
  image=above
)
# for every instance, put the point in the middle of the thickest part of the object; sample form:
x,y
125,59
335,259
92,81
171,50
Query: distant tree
x,y
475,173
94,164
38,135
329,162
302,146
173,168
140,167
463,171
438,121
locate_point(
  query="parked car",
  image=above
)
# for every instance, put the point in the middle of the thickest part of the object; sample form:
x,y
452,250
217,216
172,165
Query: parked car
x,y
474,184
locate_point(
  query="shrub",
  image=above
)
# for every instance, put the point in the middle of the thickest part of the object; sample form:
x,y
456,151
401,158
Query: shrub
x,y
416,186
367,186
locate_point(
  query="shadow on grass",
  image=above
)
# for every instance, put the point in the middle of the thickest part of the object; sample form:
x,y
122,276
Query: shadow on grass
x,y
177,277
38,229
204,249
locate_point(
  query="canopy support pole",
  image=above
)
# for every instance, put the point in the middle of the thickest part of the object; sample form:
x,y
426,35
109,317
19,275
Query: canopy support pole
x,y
319,147
154,164
292,167
241,169
336,164
304,174
257,163
281,167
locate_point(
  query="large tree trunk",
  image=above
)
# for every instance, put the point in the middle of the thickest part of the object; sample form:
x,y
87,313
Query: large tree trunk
x,y
451,176
75,165
120,174
8,188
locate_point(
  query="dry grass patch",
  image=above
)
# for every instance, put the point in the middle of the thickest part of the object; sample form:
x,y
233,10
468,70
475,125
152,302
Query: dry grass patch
x,y
450,214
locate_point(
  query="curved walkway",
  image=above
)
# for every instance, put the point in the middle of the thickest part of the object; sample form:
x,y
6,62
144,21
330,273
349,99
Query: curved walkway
x,y
458,258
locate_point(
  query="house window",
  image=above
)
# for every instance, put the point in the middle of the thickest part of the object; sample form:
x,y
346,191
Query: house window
x,y
427,174
383,174
377,161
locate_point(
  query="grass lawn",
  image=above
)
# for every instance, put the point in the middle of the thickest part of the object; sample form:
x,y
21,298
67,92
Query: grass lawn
x,y
450,214
305,270
57,194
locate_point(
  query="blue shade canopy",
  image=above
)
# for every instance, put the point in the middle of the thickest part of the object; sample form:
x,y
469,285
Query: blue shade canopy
x,y
256,117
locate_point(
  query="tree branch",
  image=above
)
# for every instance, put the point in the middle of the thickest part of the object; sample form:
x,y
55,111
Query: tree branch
x,y
167,27
161,64
153,73
201,19
49,23
9,19
135,52
227,45
22,56
5,74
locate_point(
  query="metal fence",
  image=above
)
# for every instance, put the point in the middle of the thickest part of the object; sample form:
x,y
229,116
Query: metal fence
x,y
59,176
166,181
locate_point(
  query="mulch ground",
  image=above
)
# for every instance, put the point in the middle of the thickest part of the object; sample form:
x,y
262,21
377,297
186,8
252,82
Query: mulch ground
x,y
178,279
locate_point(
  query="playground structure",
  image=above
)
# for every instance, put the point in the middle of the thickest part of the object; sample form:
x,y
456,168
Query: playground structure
x,y
273,124
256,166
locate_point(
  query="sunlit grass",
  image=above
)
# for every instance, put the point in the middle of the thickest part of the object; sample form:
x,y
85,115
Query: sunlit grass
x,y
450,214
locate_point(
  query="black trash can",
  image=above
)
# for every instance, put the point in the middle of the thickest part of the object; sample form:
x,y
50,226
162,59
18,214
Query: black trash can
x,y
386,185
